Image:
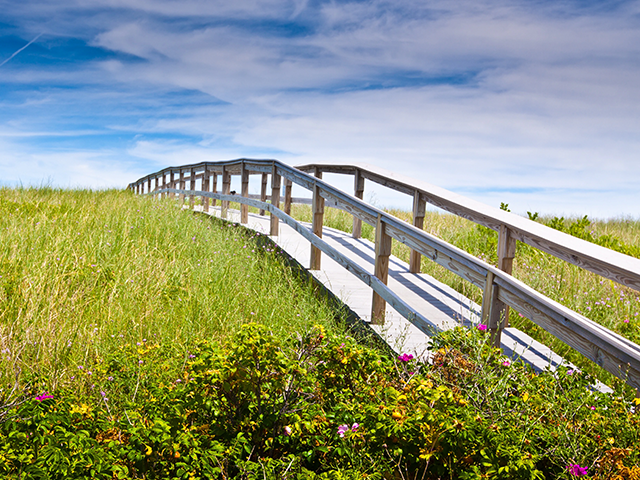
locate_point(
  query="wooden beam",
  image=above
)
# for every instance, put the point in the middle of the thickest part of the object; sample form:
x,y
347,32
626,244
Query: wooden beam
x,y
263,190
172,183
317,211
419,210
358,192
381,272
275,200
244,208
206,187
226,189
182,187
288,184
214,180
192,186
499,312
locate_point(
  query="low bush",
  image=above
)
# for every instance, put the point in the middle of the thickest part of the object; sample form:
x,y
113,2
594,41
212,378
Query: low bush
x,y
321,406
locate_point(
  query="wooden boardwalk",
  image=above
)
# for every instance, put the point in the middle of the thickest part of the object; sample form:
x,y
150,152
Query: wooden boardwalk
x,y
436,301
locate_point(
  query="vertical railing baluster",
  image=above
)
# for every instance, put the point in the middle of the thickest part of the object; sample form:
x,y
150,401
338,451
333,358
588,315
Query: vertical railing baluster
x,y
192,187
358,192
244,209
381,270
275,199
499,312
287,196
317,210
226,189
419,210
206,188
182,187
263,190
214,180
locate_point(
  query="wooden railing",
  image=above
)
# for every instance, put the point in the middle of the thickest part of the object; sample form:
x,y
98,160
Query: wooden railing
x,y
611,351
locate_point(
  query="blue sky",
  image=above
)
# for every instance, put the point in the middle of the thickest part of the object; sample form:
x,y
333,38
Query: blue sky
x,y
532,103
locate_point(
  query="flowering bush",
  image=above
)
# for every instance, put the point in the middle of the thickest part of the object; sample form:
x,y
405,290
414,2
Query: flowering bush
x,y
322,406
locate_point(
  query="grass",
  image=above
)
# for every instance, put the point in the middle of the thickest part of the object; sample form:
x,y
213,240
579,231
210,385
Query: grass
x,y
82,273
139,340
612,305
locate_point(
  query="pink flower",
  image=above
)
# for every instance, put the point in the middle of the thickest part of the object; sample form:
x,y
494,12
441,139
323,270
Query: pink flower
x,y
287,430
342,429
43,396
405,357
577,470
506,363
482,327
354,427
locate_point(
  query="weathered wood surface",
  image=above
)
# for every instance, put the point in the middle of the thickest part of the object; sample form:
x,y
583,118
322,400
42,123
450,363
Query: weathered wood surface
x,y
602,261
620,357
440,306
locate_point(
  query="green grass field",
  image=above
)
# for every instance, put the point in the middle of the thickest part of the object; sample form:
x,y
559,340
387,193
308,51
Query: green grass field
x,y
141,340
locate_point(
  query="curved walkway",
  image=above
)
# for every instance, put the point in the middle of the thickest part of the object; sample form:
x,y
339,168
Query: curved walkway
x,y
435,300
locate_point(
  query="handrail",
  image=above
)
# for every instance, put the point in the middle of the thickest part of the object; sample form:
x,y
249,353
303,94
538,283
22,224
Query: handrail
x,y
611,351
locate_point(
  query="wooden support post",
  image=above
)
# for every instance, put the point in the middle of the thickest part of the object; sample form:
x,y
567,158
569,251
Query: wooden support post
x,y
317,210
206,187
163,184
182,187
275,200
419,210
263,190
287,196
172,183
192,186
383,251
214,180
226,189
244,209
499,312
358,192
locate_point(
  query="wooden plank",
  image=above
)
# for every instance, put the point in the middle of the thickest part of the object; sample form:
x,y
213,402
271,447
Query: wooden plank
x,y
226,188
317,210
358,192
602,261
244,208
263,190
214,180
172,183
192,185
499,312
206,187
288,184
383,251
419,210
183,186
275,198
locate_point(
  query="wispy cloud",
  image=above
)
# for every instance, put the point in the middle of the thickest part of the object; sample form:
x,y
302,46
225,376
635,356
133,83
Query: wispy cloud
x,y
494,98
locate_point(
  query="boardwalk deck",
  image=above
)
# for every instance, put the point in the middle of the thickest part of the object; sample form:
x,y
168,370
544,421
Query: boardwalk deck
x,y
438,302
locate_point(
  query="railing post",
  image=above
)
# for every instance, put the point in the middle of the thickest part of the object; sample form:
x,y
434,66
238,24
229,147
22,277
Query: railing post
x,y
317,210
263,191
214,180
383,251
419,208
288,184
499,312
182,187
172,183
226,189
163,184
192,186
275,199
244,209
358,192
205,187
